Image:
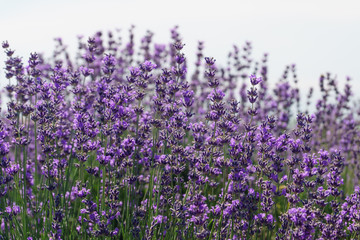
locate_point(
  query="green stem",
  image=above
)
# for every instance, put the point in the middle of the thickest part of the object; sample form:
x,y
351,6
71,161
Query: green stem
x,y
24,195
222,212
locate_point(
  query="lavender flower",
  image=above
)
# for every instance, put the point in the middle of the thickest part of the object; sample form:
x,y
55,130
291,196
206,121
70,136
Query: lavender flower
x,y
122,142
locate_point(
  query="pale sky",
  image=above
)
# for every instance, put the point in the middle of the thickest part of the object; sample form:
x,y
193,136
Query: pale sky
x,y
317,35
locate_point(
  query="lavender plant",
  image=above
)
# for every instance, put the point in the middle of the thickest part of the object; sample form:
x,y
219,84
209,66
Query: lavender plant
x,y
123,143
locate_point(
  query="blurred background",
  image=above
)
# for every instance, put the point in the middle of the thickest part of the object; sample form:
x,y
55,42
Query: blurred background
x,y
318,36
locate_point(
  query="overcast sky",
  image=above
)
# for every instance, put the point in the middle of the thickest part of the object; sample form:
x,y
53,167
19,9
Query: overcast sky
x,y
317,35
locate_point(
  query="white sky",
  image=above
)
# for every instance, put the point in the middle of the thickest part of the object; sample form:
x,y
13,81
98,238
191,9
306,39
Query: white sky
x,y
317,35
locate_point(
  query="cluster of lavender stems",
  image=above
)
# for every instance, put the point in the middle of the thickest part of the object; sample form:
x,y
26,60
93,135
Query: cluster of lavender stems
x,y
122,142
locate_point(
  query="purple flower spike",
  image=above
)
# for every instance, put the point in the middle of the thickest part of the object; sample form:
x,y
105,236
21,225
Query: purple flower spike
x,y
254,80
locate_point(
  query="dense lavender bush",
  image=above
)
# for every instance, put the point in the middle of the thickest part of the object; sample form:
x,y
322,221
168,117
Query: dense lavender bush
x,y
124,143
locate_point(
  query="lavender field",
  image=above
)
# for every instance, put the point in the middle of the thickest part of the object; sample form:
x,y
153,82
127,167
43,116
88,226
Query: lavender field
x,y
123,141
